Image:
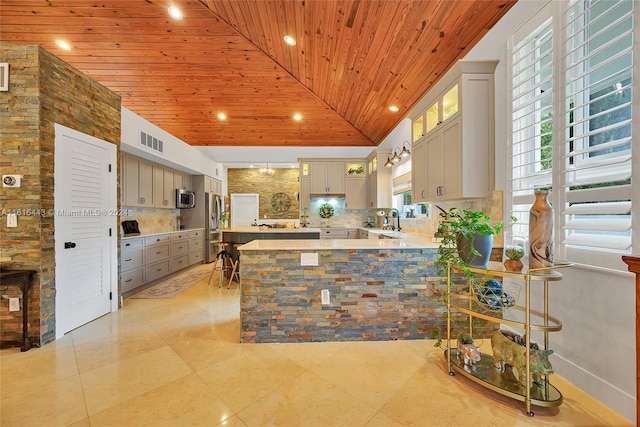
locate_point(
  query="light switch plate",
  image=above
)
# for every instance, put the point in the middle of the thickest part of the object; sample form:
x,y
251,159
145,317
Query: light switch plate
x,y
308,259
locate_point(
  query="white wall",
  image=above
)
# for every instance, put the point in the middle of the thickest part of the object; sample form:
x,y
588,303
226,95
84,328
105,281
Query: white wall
x,y
177,154
596,348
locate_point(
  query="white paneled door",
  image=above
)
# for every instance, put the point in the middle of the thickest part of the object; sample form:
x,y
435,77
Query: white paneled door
x,y
85,228
244,209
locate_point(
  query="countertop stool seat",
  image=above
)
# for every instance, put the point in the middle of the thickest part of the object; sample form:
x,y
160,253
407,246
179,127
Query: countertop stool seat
x,y
222,263
235,272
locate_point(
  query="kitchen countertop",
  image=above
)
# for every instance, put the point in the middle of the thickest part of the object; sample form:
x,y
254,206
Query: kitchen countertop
x,y
250,229
409,241
159,234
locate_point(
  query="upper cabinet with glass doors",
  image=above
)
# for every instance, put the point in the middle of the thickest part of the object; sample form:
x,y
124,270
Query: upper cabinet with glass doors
x,y
445,107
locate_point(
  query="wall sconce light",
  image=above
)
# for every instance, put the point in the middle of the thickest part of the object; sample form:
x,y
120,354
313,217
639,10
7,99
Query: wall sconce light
x,y
405,151
397,154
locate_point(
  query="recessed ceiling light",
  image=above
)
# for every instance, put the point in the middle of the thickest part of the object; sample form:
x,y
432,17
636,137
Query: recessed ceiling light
x,y
394,108
222,116
175,13
63,44
297,117
289,40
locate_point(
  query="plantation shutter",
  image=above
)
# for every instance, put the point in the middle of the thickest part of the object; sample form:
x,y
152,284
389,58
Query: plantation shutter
x,y
597,100
532,114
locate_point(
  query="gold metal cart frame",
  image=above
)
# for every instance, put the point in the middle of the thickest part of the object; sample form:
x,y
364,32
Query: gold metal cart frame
x,y
483,372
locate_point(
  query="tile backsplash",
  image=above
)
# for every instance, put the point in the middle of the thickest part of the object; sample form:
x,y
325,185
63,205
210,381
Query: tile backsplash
x,y
152,221
422,225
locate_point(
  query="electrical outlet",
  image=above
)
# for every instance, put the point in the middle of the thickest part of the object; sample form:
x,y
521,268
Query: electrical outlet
x,y
12,220
326,297
14,304
308,259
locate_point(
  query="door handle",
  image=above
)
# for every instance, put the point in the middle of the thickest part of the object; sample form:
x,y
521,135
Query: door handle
x,y
69,245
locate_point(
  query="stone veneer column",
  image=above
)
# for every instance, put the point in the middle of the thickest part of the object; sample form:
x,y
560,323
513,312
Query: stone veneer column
x,y
43,90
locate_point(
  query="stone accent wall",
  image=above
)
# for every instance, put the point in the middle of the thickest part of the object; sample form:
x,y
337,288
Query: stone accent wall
x,y
375,295
251,181
43,91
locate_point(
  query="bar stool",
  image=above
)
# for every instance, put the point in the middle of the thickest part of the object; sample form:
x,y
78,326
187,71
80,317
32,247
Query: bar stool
x,y
235,272
222,263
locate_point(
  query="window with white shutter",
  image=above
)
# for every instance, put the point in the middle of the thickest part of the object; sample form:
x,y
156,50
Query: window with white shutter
x,y
596,159
572,98
532,119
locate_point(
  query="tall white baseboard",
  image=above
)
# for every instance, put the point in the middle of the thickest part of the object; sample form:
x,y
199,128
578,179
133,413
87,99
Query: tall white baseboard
x,y
615,398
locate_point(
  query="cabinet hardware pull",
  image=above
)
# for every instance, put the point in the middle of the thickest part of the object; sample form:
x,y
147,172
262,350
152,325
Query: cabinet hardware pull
x,y
128,244
128,259
127,281
159,269
158,253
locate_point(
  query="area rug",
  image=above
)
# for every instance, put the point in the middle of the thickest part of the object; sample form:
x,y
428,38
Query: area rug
x,y
173,286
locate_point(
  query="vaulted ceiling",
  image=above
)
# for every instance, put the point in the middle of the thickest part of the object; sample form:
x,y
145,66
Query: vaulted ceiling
x,y
353,59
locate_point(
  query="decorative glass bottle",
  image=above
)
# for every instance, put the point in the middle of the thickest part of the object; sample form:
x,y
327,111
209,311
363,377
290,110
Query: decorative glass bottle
x,y
541,231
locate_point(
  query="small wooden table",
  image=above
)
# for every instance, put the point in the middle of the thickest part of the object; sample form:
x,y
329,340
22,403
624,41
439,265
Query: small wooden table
x,y
21,278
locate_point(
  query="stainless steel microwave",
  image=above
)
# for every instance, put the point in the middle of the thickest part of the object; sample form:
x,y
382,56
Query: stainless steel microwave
x,y
185,199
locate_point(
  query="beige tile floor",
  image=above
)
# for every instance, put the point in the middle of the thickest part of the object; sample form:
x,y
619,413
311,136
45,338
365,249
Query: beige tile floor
x,y
178,362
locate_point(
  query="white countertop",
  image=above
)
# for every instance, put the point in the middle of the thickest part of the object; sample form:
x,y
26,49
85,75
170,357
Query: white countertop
x,y
250,229
159,234
330,244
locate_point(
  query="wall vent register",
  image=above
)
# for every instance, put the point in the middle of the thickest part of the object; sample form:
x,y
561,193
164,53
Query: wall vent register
x,y
151,142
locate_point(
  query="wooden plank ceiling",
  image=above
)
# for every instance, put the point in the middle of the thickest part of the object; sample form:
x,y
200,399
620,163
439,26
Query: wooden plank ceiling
x,y
353,59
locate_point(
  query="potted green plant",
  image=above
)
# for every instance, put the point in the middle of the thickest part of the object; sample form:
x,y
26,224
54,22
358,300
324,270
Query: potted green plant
x,y
224,219
467,238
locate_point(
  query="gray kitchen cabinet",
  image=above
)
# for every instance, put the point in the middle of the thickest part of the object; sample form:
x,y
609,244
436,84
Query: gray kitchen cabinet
x,y
327,177
181,180
212,185
453,159
419,171
378,180
132,264
356,192
147,259
137,177
163,187
305,193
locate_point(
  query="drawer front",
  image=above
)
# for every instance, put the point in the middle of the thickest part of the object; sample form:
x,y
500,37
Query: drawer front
x,y
156,271
196,233
131,244
195,244
131,259
178,263
156,253
195,257
179,248
183,235
156,240
131,279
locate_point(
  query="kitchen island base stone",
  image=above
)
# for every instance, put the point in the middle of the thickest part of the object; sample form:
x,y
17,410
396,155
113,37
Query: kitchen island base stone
x,y
375,295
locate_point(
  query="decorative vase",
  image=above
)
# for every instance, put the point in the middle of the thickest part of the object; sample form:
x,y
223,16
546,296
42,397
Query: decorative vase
x,y
541,231
482,244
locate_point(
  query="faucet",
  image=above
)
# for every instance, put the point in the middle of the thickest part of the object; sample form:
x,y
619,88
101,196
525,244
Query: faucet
x,y
395,214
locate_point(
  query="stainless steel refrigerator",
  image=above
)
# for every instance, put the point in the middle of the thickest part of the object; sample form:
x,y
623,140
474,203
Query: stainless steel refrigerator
x,y
212,207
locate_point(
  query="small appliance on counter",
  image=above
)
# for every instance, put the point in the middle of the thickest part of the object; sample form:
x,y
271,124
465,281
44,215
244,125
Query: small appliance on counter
x,y
368,222
130,228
